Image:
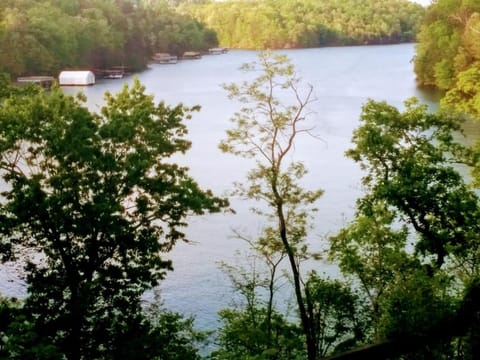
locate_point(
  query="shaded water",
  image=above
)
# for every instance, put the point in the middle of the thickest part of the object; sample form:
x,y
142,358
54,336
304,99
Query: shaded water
x,y
343,79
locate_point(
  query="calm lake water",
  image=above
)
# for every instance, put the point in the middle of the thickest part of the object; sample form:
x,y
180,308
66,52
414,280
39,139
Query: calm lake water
x,y
343,79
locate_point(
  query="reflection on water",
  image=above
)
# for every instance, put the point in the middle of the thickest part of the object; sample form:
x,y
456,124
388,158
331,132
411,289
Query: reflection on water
x,y
343,79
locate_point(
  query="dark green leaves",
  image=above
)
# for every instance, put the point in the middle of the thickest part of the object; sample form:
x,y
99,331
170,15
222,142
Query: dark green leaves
x,y
407,157
96,197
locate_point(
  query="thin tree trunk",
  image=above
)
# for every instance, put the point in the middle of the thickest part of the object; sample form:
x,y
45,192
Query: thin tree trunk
x,y
270,306
305,319
73,346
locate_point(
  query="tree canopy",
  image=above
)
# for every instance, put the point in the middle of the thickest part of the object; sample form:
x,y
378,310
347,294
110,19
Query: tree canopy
x,y
308,23
42,37
413,246
91,204
45,36
448,53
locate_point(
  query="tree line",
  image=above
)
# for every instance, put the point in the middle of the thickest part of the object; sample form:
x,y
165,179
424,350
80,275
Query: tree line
x,y
39,37
45,36
272,24
448,53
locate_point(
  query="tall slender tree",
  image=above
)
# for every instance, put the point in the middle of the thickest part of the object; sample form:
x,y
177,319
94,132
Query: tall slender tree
x,y
274,108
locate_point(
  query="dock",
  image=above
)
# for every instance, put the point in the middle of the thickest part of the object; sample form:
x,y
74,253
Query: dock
x,y
45,82
191,55
217,51
164,58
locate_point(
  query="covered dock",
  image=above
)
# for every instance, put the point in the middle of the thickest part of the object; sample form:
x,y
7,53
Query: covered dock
x,y
76,78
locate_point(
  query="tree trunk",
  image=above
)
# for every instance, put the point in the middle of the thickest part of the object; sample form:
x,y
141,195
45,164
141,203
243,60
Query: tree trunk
x,y
306,321
73,345
270,306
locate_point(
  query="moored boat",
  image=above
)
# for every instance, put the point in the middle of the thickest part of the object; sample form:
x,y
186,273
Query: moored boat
x,y
217,51
191,55
113,74
164,58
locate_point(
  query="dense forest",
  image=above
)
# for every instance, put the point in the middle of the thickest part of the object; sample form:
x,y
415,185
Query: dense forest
x,y
41,37
309,23
93,202
448,53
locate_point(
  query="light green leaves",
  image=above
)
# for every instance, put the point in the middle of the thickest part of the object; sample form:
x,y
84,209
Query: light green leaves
x,y
464,96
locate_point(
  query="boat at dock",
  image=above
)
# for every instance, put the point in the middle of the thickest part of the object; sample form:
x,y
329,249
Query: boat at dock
x,y
191,55
113,74
217,51
164,58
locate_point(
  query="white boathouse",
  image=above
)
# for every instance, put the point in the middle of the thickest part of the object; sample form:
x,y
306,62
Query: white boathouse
x,y
76,78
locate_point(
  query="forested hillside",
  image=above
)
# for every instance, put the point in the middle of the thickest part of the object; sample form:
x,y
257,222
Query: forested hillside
x,y
309,23
448,53
44,36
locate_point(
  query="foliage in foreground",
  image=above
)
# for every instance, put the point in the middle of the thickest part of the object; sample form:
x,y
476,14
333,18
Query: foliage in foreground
x,y
90,206
93,194
162,335
413,248
410,255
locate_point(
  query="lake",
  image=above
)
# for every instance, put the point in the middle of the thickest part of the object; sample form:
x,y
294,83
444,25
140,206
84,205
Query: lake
x,y
343,79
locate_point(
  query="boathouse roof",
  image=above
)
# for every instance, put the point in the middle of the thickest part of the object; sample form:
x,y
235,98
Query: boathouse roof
x,y
76,77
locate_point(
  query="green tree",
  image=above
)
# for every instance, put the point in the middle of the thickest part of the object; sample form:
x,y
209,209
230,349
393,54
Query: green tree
x,y
254,328
309,23
404,297
371,252
43,37
18,338
171,336
464,97
336,313
96,198
413,246
408,159
243,336
447,54
274,106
